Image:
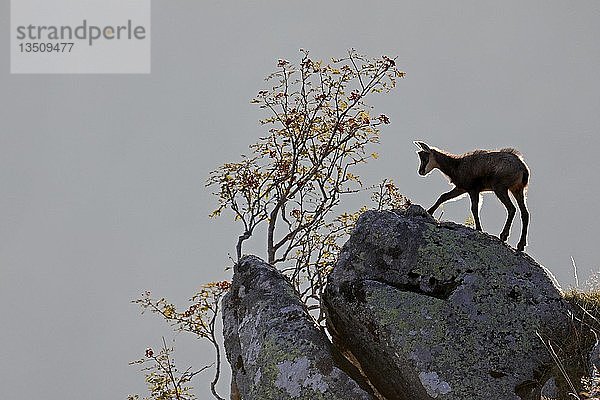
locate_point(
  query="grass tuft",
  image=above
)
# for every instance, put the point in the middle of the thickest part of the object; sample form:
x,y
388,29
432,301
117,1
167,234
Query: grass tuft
x,y
586,308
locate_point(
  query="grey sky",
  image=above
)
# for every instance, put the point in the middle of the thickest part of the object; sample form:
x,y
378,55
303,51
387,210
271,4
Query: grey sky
x,y
101,177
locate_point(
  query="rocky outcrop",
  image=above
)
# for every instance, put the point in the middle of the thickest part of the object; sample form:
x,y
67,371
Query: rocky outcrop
x,y
439,311
275,350
424,310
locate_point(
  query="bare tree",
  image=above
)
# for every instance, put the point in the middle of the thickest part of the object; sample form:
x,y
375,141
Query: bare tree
x,y
319,126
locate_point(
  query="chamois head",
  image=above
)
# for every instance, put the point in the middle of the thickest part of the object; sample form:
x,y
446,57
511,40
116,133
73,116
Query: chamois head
x,y
427,158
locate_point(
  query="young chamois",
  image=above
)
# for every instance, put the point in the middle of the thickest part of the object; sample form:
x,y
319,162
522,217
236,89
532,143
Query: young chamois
x,y
499,171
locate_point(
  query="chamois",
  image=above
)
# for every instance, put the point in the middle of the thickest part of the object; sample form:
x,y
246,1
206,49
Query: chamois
x,y
499,171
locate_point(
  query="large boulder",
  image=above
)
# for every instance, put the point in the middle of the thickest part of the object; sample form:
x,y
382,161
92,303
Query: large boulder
x,y
440,311
274,348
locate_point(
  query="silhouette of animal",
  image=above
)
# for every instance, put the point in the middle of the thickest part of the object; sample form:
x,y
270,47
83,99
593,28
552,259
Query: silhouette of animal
x,y
500,171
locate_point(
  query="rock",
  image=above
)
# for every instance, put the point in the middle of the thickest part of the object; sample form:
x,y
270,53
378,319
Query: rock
x,y
275,350
550,390
594,361
440,311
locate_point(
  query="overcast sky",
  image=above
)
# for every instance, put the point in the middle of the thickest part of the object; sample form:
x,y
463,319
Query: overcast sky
x,y
101,177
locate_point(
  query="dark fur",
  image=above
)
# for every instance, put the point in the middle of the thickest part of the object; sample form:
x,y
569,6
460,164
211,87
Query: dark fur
x,y
500,171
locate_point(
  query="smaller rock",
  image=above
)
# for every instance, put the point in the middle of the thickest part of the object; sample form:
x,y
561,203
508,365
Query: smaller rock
x,y
274,348
550,390
595,360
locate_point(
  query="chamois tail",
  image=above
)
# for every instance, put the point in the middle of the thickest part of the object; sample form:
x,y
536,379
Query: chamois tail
x,y
525,179
520,186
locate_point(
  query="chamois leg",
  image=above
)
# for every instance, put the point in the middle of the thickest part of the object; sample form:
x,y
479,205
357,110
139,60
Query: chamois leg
x,y
475,208
520,197
445,197
510,207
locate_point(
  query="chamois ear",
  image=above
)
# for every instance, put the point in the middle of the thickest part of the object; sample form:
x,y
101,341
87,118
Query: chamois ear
x,y
423,146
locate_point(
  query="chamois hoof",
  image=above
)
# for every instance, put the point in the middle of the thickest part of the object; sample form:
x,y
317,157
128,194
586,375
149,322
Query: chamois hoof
x,y
521,246
503,236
